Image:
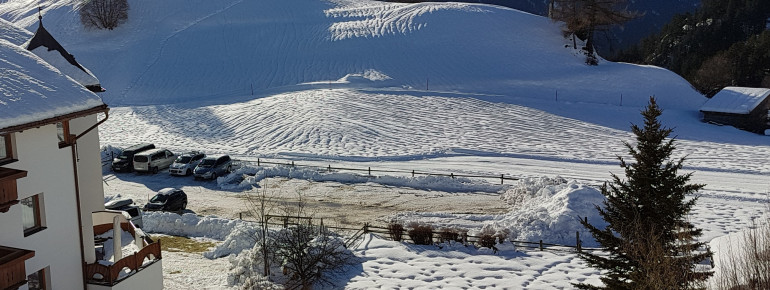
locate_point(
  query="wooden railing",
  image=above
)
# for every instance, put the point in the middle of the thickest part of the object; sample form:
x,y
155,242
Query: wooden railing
x,y
12,270
110,274
8,193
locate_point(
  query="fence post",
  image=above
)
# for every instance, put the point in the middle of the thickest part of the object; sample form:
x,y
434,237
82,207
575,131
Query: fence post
x,y
370,171
577,237
366,228
285,222
257,161
502,178
240,215
412,172
292,163
330,168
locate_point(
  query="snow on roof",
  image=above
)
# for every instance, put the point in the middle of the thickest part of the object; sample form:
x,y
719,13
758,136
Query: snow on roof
x,y
46,47
33,90
12,33
168,191
736,100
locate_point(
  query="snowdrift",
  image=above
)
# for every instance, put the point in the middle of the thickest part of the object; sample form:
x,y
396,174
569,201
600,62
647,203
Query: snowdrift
x,y
226,51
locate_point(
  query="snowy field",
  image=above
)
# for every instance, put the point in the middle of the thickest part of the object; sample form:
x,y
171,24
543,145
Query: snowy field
x,y
432,87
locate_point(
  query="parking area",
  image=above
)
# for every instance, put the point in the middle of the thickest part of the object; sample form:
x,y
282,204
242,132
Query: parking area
x,y
337,203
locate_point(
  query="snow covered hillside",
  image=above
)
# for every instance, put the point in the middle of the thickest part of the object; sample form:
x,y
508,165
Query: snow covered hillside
x,y
171,52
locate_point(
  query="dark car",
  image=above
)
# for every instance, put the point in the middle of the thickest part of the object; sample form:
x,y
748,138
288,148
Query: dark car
x,y
125,161
213,166
167,199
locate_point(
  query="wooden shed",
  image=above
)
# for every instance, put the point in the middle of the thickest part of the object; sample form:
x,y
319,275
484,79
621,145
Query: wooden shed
x,y
744,108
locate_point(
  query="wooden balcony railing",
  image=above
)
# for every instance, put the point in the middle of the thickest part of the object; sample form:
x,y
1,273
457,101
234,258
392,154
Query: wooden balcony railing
x,y
12,271
8,192
111,275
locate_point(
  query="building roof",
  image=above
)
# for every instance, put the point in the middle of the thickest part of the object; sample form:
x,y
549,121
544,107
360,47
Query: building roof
x,y
13,33
46,47
736,100
32,90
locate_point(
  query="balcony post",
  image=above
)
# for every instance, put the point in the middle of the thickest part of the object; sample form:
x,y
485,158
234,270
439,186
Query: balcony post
x,y
117,244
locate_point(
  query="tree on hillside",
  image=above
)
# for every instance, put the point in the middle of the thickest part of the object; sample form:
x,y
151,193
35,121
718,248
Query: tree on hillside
x,y
648,241
103,14
583,18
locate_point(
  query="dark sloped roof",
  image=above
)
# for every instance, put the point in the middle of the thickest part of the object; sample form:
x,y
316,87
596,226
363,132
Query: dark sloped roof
x,y
43,38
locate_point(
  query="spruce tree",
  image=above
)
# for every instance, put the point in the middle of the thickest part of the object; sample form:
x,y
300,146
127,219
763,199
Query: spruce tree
x,y
648,242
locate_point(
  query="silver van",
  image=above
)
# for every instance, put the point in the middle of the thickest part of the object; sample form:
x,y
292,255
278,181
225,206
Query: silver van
x,y
153,160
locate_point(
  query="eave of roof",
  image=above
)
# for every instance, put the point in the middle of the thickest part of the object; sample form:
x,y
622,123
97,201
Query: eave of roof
x,y
54,120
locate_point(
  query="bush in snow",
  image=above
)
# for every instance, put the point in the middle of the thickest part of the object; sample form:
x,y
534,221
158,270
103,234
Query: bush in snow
x,y
309,254
103,14
449,235
743,259
421,234
396,231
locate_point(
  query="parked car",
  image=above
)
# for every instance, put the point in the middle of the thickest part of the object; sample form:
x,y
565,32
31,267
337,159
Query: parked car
x,y
167,199
213,166
127,205
153,160
185,163
125,161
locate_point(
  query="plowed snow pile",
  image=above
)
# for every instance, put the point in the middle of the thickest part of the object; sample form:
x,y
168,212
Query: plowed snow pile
x,y
549,210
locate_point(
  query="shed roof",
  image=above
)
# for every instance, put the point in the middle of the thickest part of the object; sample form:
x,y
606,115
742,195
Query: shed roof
x,y
736,100
32,90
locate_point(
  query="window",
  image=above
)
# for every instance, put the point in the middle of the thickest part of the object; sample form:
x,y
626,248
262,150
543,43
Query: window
x,y
37,280
6,153
31,215
63,133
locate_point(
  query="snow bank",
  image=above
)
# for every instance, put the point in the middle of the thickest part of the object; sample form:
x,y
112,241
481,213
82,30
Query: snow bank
x,y
189,225
541,208
549,210
237,235
252,175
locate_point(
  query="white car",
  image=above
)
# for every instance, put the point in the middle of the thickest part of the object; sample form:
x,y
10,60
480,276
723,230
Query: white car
x,y
153,160
185,163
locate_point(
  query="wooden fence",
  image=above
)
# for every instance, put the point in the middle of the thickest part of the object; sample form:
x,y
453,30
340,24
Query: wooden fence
x,y
383,232
369,170
329,168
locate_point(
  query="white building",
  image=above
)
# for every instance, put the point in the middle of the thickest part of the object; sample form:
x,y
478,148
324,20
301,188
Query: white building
x,y
51,195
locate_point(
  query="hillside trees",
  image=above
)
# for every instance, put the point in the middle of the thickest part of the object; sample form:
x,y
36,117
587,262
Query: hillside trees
x,y
103,14
649,242
583,18
697,46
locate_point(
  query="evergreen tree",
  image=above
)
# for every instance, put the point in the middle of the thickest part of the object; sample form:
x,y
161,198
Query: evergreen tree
x,y
648,241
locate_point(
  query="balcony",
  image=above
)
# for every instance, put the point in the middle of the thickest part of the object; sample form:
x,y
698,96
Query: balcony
x,y
141,269
12,267
8,193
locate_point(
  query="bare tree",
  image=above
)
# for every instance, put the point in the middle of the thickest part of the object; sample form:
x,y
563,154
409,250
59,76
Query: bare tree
x,y
308,252
584,17
261,206
103,14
